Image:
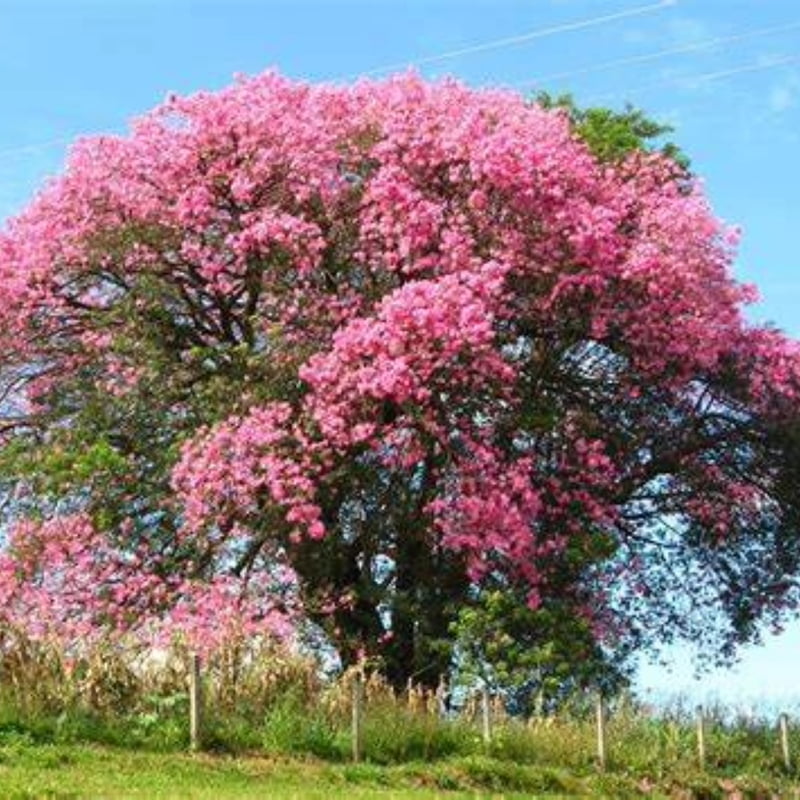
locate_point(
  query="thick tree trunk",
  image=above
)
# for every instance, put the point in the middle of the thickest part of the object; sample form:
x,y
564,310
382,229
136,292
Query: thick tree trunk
x,y
429,590
401,593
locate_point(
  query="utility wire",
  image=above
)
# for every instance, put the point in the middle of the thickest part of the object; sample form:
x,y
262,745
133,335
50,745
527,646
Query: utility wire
x,y
712,76
685,79
654,56
478,48
34,147
554,30
706,77
539,33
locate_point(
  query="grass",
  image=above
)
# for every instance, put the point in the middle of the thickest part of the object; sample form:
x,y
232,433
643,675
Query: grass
x,y
69,772
273,728
89,772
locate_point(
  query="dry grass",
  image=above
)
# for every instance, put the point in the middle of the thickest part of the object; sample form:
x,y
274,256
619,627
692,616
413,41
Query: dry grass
x,y
261,699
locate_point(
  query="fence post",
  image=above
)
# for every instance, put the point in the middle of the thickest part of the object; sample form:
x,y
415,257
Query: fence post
x,y
783,723
486,714
358,716
701,737
195,702
601,732
441,698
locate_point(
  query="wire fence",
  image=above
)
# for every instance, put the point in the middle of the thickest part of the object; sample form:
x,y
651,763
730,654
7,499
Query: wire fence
x,y
259,697
486,711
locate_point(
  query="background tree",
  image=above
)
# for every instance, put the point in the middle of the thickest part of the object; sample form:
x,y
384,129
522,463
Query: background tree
x,y
365,356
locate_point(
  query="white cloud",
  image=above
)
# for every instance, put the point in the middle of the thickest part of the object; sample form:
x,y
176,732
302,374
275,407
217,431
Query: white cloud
x,y
636,36
689,30
783,94
780,98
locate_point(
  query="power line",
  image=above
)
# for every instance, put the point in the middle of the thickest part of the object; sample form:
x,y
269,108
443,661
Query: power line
x,y
690,79
539,33
34,147
478,48
725,73
653,56
567,27
705,77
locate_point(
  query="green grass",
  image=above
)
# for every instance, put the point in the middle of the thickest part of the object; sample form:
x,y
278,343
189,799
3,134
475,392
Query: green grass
x,y
296,751
75,772
274,729
69,772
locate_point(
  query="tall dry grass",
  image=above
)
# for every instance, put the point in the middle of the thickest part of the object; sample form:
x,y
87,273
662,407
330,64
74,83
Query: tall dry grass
x,y
260,697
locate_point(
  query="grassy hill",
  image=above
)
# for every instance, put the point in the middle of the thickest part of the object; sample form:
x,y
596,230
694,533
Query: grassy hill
x,y
70,772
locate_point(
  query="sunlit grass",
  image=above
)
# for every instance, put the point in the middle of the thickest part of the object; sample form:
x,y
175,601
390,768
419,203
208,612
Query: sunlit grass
x,y
274,728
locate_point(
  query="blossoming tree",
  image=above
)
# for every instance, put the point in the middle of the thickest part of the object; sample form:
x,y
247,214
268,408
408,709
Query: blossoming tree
x,y
350,355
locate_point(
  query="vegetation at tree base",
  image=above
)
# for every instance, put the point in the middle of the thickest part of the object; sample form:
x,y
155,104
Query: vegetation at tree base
x,y
429,376
108,728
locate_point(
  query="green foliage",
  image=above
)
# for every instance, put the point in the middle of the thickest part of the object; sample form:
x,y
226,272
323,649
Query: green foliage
x,y
537,657
613,135
290,727
395,735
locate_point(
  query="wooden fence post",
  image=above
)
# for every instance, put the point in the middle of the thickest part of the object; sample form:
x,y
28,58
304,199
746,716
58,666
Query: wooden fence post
x,y
783,724
358,717
701,737
195,702
601,732
441,698
486,715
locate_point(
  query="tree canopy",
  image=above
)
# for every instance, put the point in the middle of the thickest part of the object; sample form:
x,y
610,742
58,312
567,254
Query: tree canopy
x,y
367,357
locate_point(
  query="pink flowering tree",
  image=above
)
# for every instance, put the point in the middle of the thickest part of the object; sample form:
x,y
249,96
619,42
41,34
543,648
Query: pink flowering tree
x,y
356,356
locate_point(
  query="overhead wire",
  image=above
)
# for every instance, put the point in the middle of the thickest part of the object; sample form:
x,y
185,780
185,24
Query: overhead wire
x,y
554,30
704,44
497,44
691,80
34,147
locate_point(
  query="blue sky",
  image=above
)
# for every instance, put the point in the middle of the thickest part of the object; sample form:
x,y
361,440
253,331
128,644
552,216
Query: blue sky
x,y
72,67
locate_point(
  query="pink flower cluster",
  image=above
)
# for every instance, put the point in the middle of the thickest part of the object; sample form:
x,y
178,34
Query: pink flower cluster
x,y
425,341
447,275
63,581
231,473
